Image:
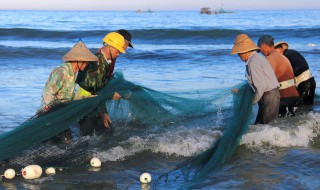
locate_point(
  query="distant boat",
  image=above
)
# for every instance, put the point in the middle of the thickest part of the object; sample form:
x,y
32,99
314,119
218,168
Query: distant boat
x,y
148,11
206,10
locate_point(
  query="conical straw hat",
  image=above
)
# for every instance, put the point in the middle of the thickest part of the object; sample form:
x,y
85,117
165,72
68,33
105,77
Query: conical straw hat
x,y
283,44
79,52
243,44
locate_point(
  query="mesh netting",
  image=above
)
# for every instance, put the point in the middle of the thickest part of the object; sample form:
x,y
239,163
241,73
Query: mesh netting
x,y
195,169
55,154
140,104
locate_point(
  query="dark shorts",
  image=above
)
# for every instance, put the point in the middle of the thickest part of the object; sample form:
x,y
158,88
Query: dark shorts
x,y
288,106
268,106
306,90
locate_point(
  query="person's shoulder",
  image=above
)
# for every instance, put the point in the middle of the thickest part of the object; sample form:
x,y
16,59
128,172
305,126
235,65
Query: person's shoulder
x,y
255,56
277,56
292,52
60,70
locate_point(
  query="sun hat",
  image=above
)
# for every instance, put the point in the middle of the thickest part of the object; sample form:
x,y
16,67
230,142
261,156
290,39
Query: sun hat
x,y
266,39
283,44
127,36
79,52
243,44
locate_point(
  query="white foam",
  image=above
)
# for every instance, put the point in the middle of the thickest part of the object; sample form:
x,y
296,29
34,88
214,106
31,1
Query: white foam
x,y
183,142
286,134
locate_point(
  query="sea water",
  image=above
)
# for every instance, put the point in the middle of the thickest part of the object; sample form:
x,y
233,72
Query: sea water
x,y
174,52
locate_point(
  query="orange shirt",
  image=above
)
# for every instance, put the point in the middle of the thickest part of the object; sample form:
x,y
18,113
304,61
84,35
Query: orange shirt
x,y
283,70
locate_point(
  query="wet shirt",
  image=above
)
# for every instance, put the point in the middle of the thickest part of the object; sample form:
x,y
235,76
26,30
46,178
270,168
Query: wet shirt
x,y
298,62
283,70
260,75
60,86
96,74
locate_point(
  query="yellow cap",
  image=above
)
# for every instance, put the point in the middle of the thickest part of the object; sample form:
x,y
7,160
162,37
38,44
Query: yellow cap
x,y
115,40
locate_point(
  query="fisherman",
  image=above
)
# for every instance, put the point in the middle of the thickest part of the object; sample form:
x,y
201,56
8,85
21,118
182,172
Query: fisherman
x,y
289,95
261,78
60,87
304,81
97,75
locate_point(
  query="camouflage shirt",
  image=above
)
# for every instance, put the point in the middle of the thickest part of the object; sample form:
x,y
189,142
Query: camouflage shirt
x,y
96,74
60,86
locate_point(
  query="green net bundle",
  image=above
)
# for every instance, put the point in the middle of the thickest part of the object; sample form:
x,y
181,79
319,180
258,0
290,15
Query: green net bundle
x,y
195,169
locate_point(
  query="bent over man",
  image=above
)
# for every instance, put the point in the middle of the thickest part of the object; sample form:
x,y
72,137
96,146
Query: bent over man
x,y
304,81
261,78
97,75
289,95
60,86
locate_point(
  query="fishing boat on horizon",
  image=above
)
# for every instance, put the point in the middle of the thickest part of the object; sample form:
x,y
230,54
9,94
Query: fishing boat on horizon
x,y
147,11
206,10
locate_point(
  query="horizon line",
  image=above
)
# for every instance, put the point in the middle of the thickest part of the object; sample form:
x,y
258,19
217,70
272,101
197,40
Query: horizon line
x,y
160,10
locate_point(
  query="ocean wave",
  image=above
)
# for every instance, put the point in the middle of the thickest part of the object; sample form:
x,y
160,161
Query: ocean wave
x,y
31,33
155,34
152,34
301,132
182,142
31,53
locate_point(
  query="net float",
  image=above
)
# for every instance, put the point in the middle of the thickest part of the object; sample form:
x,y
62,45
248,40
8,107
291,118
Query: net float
x,y
32,172
9,173
145,178
50,171
95,162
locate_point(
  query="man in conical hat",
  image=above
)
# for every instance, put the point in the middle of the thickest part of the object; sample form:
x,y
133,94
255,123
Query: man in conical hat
x,y
261,78
60,86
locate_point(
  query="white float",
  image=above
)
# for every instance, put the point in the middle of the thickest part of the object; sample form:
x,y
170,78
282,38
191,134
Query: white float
x,y
95,162
145,178
50,171
9,173
31,172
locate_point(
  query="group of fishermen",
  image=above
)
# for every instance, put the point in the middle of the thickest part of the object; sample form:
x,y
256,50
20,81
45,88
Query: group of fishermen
x,y
281,80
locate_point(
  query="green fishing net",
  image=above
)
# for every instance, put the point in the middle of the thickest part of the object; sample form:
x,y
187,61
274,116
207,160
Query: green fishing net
x,y
139,105
29,143
195,169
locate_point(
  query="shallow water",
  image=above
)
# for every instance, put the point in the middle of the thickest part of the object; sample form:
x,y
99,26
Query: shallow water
x,y
182,53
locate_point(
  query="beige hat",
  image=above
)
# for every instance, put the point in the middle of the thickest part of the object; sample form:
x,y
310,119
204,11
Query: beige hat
x,y
79,52
243,44
283,44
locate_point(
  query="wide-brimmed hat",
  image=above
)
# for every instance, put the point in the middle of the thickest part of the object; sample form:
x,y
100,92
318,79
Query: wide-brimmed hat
x,y
283,44
127,36
79,52
243,44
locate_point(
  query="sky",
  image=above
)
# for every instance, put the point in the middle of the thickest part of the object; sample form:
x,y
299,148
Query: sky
x,y
157,5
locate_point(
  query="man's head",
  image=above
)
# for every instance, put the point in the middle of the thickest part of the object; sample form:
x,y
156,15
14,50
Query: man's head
x,y
127,36
243,46
80,54
281,46
115,42
266,44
